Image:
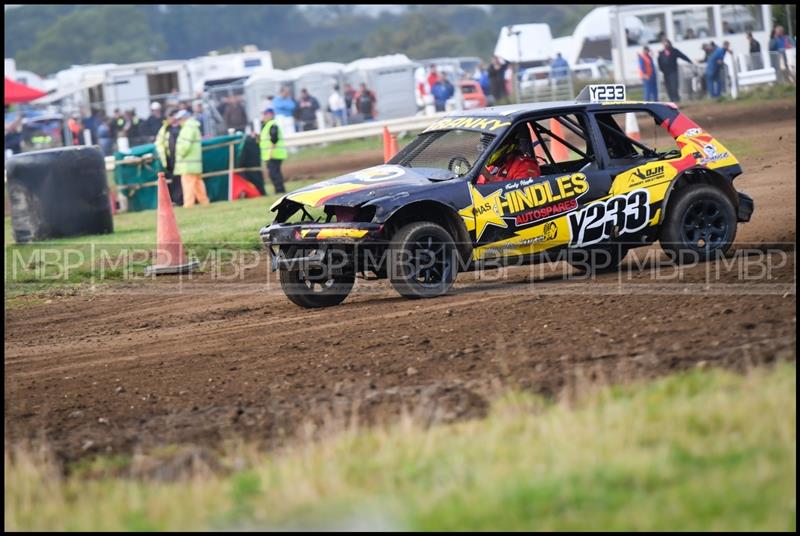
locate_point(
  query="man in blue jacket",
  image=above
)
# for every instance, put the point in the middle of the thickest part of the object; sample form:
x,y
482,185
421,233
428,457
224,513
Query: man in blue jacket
x,y
714,69
442,91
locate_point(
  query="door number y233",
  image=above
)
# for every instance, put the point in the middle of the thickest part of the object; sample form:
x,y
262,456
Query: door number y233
x,y
627,213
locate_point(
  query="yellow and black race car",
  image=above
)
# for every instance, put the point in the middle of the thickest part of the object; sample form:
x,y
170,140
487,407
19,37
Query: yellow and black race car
x,y
447,202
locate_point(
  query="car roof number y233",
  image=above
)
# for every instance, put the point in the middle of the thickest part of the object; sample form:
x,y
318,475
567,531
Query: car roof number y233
x,y
607,92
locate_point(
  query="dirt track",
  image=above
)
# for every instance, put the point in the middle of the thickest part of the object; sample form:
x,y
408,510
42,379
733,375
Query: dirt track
x,y
147,364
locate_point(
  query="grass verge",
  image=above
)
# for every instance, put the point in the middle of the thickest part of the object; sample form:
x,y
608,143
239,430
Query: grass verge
x,y
57,265
702,450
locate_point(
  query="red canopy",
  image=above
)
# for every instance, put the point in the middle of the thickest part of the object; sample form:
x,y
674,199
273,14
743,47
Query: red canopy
x,y
15,92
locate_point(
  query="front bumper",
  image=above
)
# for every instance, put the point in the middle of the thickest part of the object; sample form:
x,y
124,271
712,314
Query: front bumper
x,y
746,207
317,237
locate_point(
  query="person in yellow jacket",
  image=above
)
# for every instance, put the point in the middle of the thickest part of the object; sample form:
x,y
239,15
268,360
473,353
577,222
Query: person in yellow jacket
x,y
273,149
166,140
189,160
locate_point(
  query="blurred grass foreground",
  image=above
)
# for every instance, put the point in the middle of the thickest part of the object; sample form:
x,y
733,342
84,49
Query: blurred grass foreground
x,y
701,450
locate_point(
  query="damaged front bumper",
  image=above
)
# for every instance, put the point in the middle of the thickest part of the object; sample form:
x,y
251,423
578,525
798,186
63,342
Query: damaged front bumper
x,y
316,237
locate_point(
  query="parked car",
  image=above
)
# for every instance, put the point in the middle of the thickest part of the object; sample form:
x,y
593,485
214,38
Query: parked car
x,y
473,94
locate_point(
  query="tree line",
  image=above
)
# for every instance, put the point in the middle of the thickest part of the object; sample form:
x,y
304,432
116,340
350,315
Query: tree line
x,y
47,38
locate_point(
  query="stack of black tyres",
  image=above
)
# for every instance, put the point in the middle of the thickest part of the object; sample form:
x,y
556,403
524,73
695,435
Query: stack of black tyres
x,y
57,193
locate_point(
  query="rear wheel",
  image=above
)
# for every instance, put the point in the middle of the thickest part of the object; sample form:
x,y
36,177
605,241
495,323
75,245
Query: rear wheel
x,y
700,222
313,287
423,260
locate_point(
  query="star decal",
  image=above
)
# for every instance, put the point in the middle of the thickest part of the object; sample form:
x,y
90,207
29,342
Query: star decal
x,y
485,210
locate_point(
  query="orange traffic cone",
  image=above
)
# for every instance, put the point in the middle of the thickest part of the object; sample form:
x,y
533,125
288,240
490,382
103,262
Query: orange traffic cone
x,y
557,149
393,146
387,145
170,258
632,127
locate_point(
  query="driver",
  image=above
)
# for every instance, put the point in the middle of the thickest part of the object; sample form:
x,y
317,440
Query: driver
x,y
512,162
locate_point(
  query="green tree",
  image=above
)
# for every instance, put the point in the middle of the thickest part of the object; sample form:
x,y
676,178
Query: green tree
x,y
92,36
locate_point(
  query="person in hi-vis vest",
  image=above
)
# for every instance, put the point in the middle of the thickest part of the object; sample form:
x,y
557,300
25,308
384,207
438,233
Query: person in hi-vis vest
x,y
189,160
273,149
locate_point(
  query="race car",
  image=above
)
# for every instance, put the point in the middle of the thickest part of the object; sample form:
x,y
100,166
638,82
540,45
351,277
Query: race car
x,y
442,205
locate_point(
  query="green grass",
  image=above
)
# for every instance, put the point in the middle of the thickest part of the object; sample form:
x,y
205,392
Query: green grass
x,y
42,267
703,450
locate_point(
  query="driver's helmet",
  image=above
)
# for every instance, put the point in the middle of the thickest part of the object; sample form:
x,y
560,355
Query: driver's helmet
x,y
499,156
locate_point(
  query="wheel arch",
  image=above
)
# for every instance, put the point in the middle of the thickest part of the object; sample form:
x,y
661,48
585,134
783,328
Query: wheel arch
x,y
698,175
435,212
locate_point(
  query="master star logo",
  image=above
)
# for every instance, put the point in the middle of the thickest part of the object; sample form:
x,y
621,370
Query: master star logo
x,y
485,210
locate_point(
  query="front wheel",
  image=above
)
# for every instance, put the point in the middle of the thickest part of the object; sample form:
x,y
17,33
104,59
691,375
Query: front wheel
x,y
313,287
423,260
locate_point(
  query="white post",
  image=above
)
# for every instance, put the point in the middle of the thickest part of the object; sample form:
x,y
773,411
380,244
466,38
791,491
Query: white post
x,y
87,136
231,156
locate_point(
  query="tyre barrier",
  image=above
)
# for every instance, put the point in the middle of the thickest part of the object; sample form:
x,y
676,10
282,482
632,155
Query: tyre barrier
x,y
57,193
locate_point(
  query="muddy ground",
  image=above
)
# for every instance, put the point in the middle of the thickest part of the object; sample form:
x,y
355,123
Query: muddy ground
x,y
199,361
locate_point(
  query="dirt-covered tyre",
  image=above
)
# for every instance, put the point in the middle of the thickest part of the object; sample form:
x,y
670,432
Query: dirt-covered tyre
x,y
598,259
313,287
700,223
423,260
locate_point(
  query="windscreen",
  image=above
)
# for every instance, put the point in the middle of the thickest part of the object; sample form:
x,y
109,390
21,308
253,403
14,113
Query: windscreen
x,y
453,150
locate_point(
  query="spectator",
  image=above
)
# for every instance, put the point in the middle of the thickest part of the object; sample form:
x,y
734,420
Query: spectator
x,y
235,116
349,98
708,48
284,106
497,85
104,138
89,122
482,76
223,104
307,108
668,64
13,138
336,107
756,62
117,124
442,91
647,74
689,34
365,103
153,123
75,128
201,118
780,42
714,70
133,128
433,77
273,150
166,141
189,160
559,68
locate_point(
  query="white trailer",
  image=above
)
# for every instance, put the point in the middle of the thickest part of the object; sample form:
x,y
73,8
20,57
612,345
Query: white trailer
x,y
391,78
136,85
228,66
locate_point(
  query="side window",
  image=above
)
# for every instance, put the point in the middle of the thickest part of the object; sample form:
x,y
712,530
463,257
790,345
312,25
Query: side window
x,y
564,145
630,136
